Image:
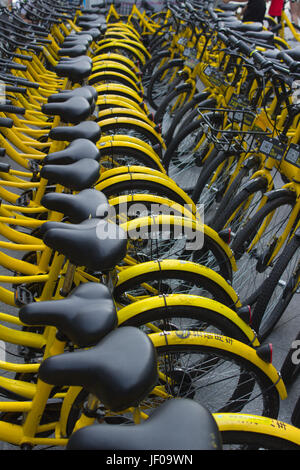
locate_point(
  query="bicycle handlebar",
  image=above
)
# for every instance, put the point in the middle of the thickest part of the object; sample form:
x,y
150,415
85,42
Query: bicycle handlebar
x,y
8,108
6,122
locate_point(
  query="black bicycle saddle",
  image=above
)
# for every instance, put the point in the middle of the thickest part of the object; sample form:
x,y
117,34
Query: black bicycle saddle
x,y
84,317
96,33
89,130
76,150
73,51
227,6
76,60
121,370
73,111
261,35
95,244
73,40
88,17
76,71
87,24
240,26
78,207
181,424
87,92
293,53
76,176
78,36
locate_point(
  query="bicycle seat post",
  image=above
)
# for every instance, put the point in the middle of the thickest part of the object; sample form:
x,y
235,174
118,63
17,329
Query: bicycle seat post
x,y
68,280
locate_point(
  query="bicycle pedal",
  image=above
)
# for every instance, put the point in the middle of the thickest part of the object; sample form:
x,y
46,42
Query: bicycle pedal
x,y
23,296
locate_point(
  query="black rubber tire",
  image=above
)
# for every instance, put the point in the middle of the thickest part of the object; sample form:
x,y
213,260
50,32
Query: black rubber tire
x,y
187,111
247,234
162,109
211,166
172,149
254,264
175,64
263,322
148,69
240,199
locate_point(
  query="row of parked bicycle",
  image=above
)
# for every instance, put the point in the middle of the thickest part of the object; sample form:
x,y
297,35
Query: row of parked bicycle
x,y
130,312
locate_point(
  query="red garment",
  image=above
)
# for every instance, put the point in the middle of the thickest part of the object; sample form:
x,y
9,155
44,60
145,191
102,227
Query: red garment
x,y
276,7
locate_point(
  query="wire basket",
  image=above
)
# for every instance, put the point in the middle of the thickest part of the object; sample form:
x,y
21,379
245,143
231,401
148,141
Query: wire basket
x,y
231,129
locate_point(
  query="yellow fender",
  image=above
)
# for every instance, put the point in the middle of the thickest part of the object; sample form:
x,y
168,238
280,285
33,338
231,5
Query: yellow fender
x,y
103,146
117,111
115,44
211,340
178,265
134,122
141,198
239,422
120,89
100,59
112,64
125,170
134,43
102,77
129,139
141,306
117,100
188,223
162,180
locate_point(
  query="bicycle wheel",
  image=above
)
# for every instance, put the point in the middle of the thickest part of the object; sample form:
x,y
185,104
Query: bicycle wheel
x,y
183,157
163,81
249,432
162,237
253,246
220,372
242,207
278,290
170,277
232,190
132,183
121,153
213,181
133,127
152,65
171,104
185,112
